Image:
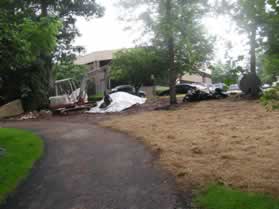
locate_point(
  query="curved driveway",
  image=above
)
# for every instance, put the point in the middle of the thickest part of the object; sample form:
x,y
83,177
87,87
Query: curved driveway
x,y
87,167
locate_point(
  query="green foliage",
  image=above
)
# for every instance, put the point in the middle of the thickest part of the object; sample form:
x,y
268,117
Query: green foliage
x,y
34,35
22,149
23,72
270,69
250,17
270,98
271,31
136,66
221,197
21,42
95,98
176,30
41,35
226,73
192,46
69,70
259,19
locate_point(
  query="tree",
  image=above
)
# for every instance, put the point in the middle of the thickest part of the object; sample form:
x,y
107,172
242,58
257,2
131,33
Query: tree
x,y
22,41
250,17
260,20
37,73
228,73
270,70
67,12
137,66
177,32
66,70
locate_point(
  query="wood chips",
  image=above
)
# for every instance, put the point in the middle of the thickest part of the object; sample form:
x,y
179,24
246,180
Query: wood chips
x,y
231,142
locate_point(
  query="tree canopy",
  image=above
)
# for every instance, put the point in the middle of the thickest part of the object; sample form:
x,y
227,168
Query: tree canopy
x,y
177,31
138,66
228,73
34,35
21,44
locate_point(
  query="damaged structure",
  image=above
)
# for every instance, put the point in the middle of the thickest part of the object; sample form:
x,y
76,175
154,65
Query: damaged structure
x,y
98,60
102,79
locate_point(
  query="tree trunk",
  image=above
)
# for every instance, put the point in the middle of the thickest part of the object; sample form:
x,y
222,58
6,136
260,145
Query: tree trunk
x,y
172,73
171,57
253,50
44,6
47,60
41,77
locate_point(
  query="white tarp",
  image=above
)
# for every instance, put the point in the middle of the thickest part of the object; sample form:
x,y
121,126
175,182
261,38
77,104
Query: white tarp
x,y
120,101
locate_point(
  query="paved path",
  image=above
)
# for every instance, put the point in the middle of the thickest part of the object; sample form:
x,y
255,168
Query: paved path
x,y
87,167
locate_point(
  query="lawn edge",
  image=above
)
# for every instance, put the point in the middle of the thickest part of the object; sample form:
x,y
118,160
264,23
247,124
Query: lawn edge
x,y
22,180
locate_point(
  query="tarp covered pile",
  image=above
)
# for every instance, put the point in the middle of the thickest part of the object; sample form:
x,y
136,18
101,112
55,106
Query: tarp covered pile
x,y
120,101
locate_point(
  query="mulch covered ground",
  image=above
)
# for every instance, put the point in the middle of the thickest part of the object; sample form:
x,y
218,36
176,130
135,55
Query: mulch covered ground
x,y
233,142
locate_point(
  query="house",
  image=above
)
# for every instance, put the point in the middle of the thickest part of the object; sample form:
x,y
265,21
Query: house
x,y
200,77
102,80
96,60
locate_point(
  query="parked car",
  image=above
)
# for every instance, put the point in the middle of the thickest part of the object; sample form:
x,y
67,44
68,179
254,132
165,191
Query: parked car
x,y
234,90
266,86
180,89
221,86
128,89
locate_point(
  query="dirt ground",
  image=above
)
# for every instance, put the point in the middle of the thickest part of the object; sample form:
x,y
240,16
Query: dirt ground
x,y
231,142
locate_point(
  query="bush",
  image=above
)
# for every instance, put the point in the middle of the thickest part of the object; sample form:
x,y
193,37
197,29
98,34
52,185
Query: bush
x,y
95,98
270,99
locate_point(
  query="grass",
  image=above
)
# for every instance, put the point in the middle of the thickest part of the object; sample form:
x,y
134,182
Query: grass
x,y
221,197
22,149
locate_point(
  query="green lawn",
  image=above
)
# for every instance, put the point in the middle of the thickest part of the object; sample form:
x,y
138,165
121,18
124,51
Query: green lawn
x,y
22,149
220,197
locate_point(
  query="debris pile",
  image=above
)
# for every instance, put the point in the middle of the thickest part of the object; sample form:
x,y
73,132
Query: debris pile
x,y
36,115
117,102
196,95
29,116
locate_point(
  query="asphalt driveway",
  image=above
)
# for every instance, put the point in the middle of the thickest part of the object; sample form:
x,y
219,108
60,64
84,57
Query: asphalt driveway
x,y
88,167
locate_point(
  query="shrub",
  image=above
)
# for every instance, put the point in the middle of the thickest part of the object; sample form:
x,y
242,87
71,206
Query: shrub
x,y
95,98
270,99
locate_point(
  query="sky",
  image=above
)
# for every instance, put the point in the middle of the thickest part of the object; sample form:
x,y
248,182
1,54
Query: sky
x,y
105,33
109,32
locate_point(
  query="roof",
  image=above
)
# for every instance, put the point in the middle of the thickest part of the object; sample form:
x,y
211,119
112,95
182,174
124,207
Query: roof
x,y
95,56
